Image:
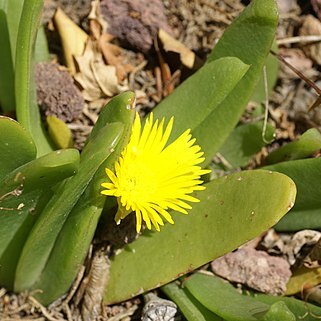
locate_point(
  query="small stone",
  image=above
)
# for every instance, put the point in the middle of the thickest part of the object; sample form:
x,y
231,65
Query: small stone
x,y
255,269
135,22
56,92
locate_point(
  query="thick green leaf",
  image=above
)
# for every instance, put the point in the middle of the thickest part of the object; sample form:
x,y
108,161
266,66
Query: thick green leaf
x,y
76,235
7,93
272,68
26,107
244,142
308,143
222,298
59,132
39,172
192,309
302,310
42,237
232,210
248,38
194,100
279,311
41,47
16,146
306,174
13,10
114,112
20,192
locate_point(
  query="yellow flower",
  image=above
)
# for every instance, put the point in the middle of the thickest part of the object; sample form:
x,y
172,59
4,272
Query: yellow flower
x,y
150,178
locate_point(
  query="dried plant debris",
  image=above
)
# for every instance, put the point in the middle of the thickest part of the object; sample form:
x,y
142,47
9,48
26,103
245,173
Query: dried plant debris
x,y
298,249
198,24
56,92
95,286
25,308
312,26
73,38
135,22
256,269
186,56
97,79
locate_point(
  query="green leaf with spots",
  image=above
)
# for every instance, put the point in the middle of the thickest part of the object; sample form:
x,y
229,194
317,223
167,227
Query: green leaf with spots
x,y
231,211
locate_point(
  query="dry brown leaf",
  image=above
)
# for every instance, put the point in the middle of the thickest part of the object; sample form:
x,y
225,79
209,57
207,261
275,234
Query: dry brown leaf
x,y
73,38
187,57
163,75
98,25
113,55
303,278
312,26
95,77
316,5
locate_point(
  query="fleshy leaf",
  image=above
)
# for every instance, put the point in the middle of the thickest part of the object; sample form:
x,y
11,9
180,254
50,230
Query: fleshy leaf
x,y
20,194
27,110
192,309
306,173
272,68
74,240
59,132
232,210
248,38
7,93
200,94
211,107
308,143
16,146
222,298
244,142
302,310
42,237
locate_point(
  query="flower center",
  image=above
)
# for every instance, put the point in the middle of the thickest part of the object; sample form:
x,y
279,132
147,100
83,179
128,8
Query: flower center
x,y
139,183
